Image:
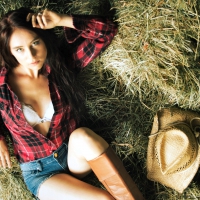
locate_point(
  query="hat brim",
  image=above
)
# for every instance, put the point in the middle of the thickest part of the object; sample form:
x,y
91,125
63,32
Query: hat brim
x,y
171,115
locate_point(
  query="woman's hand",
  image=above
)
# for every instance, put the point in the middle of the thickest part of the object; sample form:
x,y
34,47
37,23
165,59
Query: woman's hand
x,y
46,19
4,155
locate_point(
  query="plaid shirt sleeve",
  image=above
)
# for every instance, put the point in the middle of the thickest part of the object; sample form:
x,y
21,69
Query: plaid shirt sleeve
x,y
94,34
2,129
2,135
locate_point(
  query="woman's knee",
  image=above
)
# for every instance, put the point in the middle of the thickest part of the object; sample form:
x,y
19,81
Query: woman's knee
x,y
81,135
85,142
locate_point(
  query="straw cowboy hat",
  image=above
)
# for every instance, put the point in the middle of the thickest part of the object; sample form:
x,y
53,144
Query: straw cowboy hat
x,y
173,155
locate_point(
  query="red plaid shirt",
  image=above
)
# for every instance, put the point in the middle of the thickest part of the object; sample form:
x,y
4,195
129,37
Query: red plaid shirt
x,y
29,145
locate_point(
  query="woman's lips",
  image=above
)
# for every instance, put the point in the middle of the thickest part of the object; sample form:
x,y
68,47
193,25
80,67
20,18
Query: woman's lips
x,y
35,63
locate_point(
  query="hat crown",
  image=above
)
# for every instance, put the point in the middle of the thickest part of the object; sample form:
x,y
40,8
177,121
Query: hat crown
x,y
175,148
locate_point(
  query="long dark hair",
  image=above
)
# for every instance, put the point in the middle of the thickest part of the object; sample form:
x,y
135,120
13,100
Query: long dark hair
x,y
60,74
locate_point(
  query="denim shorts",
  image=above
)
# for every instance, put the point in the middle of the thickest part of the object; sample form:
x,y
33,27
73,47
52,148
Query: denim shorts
x,y
36,172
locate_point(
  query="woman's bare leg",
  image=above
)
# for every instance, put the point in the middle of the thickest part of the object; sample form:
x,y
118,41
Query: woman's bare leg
x,y
84,145
66,187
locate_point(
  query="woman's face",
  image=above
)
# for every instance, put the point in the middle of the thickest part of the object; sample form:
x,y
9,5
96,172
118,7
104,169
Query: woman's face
x,y
28,49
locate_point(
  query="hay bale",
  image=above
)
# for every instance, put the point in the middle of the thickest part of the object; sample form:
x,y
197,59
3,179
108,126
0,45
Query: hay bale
x,y
157,49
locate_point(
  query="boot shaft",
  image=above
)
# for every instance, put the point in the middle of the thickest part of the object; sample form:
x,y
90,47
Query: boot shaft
x,y
112,174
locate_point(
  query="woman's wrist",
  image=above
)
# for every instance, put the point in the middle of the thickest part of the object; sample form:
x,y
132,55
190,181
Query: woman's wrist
x,y
66,20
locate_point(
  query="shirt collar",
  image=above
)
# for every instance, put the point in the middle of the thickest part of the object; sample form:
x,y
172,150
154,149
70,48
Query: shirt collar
x,y
3,73
48,69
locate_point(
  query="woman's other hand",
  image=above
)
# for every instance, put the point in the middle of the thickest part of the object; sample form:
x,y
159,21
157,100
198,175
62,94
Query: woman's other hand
x,y
4,155
45,19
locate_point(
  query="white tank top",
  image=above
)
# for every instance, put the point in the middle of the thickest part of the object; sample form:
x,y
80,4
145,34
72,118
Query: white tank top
x,y
32,117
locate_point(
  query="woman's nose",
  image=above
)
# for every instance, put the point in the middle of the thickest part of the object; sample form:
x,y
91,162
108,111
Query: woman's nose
x,y
31,53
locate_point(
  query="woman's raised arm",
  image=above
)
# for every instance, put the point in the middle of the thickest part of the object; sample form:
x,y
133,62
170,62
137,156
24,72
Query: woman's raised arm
x,y
47,19
92,34
96,32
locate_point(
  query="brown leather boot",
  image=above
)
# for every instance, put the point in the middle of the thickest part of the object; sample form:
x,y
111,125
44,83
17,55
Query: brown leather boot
x,y
111,173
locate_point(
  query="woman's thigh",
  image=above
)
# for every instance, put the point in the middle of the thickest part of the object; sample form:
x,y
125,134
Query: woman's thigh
x,y
64,187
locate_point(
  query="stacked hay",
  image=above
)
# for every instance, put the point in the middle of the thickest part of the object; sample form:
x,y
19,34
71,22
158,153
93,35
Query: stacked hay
x,y
157,51
153,62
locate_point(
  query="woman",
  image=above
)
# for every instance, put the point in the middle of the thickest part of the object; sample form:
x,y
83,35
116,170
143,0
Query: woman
x,y
40,106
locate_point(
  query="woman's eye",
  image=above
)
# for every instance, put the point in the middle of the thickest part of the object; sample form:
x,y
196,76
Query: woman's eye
x,y
36,42
19,50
